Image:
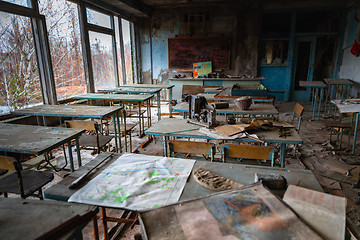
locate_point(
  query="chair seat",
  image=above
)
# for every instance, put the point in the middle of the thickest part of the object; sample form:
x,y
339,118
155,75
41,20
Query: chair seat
x,y
32,181
90,140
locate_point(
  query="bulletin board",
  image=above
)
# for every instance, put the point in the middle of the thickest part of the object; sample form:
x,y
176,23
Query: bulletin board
x,y
183,52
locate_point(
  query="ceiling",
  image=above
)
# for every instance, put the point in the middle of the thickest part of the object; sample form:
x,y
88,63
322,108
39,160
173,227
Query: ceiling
x,y
144,8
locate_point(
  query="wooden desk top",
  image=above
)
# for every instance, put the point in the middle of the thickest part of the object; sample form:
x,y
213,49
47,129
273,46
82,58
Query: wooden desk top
x,y
114,97
32,139
85,111
131,90
318,84
338,81
257,109
181,128
348,107
149,86
241,173
34,219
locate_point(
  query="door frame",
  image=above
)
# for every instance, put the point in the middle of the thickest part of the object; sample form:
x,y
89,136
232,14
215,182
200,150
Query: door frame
x,y
303,95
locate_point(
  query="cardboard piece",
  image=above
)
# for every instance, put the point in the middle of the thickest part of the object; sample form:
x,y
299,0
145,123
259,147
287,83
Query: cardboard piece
x,y
324,213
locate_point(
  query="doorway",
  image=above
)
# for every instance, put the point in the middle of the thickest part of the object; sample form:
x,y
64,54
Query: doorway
x,y
303,70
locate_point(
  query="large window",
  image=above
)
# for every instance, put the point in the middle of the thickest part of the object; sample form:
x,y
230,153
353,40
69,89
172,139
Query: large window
x,y
19,77
102,60
126,33
118,50
65,46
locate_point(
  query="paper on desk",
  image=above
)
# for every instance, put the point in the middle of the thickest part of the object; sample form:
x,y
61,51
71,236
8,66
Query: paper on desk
x,y
137,182
213,133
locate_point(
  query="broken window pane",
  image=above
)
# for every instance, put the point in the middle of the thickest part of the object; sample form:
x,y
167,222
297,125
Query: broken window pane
x,y
19,78
65,46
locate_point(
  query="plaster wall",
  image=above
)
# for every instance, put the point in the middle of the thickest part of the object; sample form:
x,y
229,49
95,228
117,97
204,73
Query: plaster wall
x,y
350,65
241,24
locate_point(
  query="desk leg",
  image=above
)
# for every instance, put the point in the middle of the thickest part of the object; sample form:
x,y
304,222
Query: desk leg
x,y
312,101
124,119
115,133
71,160
355,131
320,101
165,138
148,115
119,132
140,122
282,154
38,120
78,151
95,227
158,105
104,223
170,106
44,121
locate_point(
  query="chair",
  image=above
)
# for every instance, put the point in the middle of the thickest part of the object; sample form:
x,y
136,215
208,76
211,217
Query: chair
x,y
246,151
207,150
297,112
23,182
86,141
338,128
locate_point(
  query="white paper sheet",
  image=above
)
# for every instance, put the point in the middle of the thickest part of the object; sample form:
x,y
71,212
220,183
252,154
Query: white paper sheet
x,y
137,182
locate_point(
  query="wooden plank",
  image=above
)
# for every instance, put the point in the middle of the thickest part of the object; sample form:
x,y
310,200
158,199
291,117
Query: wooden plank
x,y
190,147
248,151
81,124
230,130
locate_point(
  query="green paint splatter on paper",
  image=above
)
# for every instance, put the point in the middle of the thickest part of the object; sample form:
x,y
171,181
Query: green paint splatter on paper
x,y
121,198
152,181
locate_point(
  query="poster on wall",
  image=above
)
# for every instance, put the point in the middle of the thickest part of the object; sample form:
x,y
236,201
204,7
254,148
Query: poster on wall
x,y
201,69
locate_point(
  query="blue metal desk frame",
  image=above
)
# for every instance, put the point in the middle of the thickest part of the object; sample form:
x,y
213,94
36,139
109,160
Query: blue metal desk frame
x,y
317,92
337,88
136,90
82,111
192,132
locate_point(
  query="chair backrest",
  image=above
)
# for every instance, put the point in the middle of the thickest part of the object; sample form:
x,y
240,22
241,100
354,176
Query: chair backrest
x,y
248,152
298,110
82,124
203,148
9,163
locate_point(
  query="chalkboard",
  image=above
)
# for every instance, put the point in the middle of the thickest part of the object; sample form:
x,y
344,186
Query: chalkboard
x,y
183,52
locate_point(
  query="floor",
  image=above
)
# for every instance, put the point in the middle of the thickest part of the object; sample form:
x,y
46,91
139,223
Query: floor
x,y
336,170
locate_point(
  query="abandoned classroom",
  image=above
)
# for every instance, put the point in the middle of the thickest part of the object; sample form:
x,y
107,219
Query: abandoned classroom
x,y
186,119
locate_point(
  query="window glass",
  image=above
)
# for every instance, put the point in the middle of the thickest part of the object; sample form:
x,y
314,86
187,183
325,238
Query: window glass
x,y
24,3
19,77
102,60
65,46
127,50
98,18
118,51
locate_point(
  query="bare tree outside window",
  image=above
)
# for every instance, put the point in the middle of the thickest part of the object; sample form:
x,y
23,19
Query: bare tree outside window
x,y
19,77
65,46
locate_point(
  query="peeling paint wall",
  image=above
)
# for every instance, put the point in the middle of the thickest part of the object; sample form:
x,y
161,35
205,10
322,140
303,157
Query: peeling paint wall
x,y
240,23
350,65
